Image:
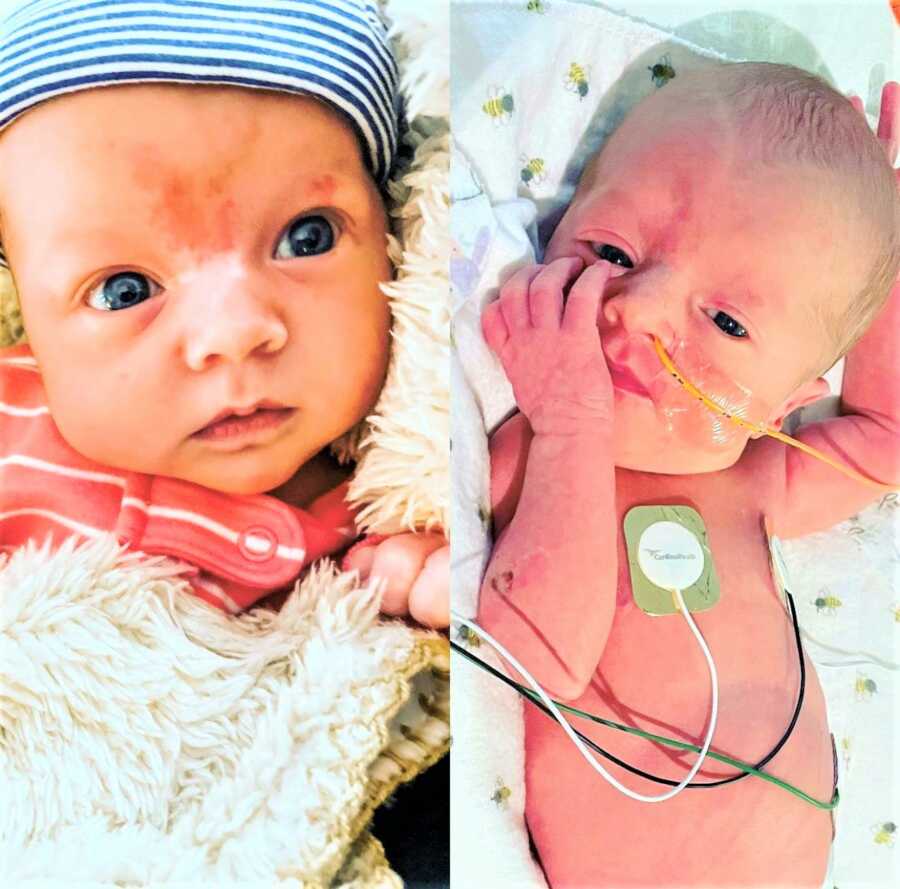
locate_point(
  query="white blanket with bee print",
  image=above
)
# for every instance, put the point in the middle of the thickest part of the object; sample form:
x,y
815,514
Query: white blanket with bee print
x,y
536,88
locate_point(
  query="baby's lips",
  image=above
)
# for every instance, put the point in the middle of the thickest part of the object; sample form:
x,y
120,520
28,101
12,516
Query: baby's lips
x,y
634,352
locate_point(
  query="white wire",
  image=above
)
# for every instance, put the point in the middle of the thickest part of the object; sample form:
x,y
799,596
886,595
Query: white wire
x,y
564,724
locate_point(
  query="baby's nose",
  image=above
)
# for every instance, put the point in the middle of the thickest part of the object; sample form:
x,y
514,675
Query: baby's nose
x,y
234,340
232,317
640,311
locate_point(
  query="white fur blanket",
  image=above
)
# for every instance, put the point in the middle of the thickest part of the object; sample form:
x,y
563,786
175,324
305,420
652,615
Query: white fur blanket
x,y
146,738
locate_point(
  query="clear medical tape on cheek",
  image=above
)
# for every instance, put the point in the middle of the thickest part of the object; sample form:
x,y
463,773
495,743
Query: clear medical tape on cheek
x,y
687,417
736,416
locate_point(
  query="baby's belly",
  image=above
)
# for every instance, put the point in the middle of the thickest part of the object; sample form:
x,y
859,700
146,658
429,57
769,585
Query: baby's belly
x,y
748,833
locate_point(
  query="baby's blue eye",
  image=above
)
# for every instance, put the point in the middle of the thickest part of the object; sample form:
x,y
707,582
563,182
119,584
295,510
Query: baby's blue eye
x,y
306,236
613,254
728,325
122,291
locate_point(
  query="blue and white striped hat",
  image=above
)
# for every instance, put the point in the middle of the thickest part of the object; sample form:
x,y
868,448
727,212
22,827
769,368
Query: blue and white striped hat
x,y
336,50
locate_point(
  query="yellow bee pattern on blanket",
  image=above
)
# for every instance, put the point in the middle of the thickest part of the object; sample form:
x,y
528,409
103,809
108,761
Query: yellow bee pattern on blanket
x,y
533,170
576,80
499,105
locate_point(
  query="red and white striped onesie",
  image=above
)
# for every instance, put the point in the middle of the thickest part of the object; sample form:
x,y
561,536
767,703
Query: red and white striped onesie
x,y
243,547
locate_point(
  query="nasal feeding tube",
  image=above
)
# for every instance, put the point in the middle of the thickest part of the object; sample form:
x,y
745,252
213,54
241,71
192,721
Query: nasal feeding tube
x,y
734,416
679,412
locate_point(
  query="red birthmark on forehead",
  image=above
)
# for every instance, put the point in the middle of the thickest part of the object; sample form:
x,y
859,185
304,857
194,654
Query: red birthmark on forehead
x,y
682,198
186,211
663,205
672,232
323,187
175,202
179,213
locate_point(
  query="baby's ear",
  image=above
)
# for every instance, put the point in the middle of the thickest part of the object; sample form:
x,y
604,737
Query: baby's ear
x,y
806,394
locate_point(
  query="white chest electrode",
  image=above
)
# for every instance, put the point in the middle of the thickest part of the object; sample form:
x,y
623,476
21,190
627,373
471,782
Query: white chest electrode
x,y
670,556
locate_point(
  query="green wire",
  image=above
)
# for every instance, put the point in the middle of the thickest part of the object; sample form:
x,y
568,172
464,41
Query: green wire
x,y
681,745
746,767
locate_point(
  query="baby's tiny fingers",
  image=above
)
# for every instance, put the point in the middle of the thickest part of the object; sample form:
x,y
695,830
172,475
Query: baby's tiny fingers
x,y
398,562
584,298
545,298
494,327
429,599
514,297
360,558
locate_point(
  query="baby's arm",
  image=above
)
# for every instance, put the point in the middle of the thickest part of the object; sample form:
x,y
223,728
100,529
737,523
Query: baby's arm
x,y
867,435
549,591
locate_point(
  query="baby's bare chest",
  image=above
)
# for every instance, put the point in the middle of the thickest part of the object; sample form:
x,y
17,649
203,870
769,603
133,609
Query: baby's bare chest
x,y
653,666
652,675
728,512
748,626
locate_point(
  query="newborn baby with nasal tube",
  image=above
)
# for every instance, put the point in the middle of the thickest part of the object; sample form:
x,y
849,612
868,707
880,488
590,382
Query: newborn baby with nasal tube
x,y
735,236
197,247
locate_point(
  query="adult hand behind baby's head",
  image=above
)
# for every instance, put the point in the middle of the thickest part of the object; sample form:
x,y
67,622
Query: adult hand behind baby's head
x,y
415,569
888,120
888,133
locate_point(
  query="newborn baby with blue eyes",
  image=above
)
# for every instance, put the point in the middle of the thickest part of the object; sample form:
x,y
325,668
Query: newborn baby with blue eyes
x,y
745,219
198,252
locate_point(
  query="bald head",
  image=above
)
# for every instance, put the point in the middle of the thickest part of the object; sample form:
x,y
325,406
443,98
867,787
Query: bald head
x,y
762,115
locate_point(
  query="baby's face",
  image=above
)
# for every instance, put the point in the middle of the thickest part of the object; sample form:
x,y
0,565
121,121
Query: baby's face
x,y
731,267
184,253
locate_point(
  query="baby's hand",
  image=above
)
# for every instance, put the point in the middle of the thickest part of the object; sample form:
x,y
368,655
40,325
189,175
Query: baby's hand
x,y
416,572
549,345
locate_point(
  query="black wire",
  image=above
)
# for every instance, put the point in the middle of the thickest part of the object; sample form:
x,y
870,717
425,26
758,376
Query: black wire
x,y
546,710
633,769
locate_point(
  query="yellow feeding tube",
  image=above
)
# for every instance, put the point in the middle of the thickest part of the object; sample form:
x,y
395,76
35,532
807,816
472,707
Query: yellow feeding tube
x,y
760,428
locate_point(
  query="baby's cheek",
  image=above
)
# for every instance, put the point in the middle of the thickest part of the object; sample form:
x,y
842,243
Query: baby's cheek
x,y
108,421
